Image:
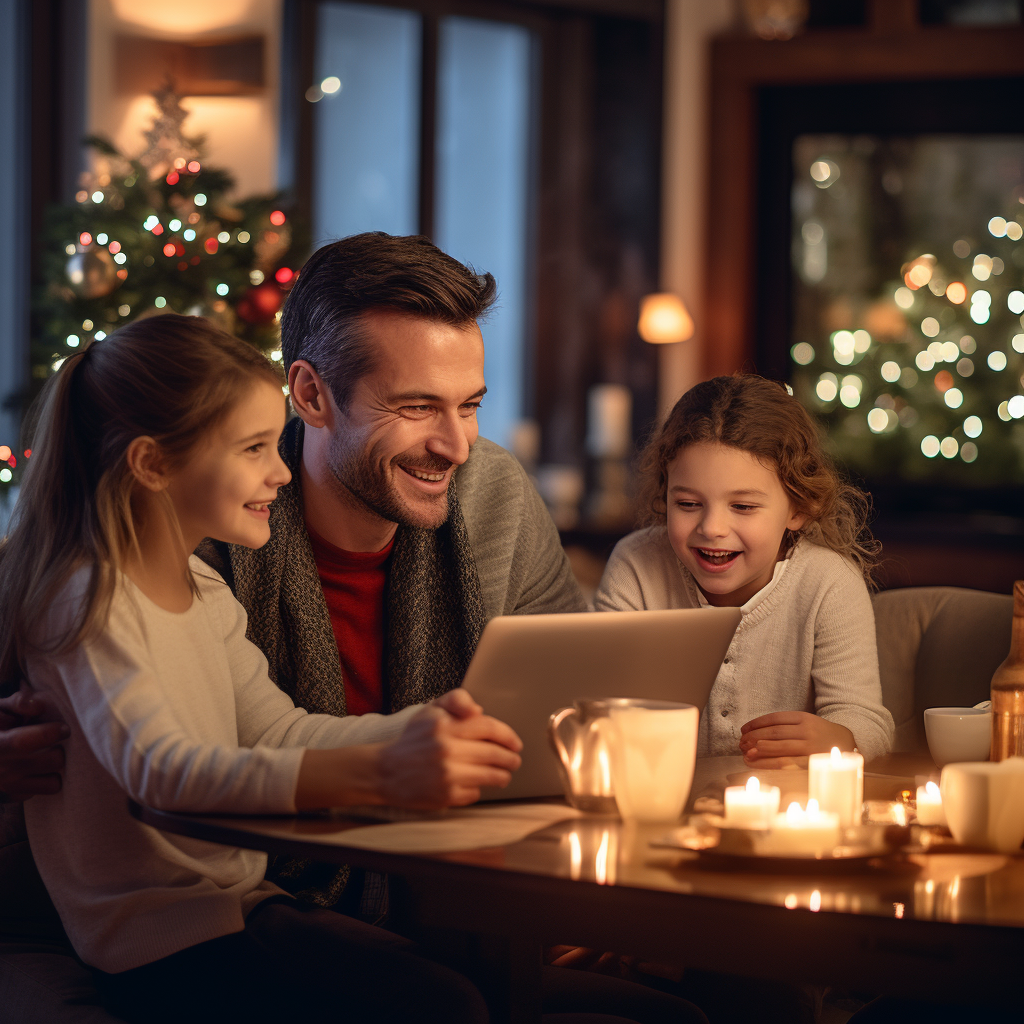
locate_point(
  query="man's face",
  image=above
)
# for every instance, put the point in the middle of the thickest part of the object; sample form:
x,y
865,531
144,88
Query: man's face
x,y
412,420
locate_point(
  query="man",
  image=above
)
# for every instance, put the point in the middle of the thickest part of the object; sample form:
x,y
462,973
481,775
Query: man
x,y
401,533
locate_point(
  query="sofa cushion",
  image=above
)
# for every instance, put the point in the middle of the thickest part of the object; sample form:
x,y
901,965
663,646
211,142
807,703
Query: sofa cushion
x,y
26,910
45,985
937,647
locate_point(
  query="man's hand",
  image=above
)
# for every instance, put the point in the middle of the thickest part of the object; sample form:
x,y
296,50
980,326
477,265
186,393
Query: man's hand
x,y
446,753
31,758
458,703
785,738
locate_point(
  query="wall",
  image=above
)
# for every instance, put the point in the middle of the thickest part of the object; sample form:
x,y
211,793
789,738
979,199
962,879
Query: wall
x,y
690,24
241,131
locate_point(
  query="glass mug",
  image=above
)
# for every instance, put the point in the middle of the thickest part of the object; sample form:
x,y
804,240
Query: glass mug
x,y
578,737
588,747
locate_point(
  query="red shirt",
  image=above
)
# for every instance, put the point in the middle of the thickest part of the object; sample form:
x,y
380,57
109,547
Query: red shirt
x,y
354,585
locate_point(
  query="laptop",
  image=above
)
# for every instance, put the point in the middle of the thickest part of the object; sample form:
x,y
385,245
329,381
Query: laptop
x,y
528,666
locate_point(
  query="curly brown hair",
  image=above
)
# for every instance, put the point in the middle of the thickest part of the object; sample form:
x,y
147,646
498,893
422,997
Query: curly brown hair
x,y
760,417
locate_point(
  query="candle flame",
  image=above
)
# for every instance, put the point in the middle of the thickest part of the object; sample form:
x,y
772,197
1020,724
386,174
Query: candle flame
x,y
794,812
753,785
814,903
812,807
836,755
931,790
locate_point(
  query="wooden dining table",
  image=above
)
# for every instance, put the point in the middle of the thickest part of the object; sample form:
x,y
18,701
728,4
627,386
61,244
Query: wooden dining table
x,y
936,922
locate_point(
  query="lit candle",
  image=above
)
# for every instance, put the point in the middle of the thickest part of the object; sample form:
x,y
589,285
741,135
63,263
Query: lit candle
x,y
750,806
802,832
929,805
836,782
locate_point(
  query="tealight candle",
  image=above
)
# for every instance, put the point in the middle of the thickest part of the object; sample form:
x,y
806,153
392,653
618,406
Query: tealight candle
x,y
836,781
810,832
750,806
929,805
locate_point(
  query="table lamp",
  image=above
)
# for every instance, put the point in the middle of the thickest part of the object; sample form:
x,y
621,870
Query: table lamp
x,y
664,319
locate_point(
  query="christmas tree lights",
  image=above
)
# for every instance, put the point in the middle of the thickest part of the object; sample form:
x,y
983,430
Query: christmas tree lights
x,y
909,295
157,234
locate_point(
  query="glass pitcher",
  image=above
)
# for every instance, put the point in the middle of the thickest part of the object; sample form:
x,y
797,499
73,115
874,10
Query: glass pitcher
x,y
579,738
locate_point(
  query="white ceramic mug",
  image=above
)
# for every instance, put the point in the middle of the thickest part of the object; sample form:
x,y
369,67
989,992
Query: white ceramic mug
x,y
653,749
958,734
984,803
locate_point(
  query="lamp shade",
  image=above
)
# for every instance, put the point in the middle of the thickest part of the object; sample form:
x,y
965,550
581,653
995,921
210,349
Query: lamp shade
x,y
664,319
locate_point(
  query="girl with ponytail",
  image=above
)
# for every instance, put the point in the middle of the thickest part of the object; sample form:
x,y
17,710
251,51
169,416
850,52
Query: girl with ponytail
x,y
160,435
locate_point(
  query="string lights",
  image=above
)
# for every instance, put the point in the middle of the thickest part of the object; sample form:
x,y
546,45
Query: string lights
x,y
158,234
923,373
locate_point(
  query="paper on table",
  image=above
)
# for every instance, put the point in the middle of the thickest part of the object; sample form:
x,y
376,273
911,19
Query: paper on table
x,y
462,828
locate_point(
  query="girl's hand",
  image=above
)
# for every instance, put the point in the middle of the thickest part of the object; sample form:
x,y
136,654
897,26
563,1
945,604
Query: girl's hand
x,y
785,738
579,958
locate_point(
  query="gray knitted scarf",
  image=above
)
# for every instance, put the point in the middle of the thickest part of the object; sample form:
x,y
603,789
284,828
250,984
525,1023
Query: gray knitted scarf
x,y
433,620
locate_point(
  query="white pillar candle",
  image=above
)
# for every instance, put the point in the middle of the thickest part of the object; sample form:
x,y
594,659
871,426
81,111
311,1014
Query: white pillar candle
x,y
609,411
750,806
836,781
929,805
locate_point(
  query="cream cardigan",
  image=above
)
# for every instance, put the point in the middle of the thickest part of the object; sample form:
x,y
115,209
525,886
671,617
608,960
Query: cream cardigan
x,y
809,645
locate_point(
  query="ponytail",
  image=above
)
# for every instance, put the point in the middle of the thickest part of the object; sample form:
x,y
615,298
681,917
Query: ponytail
x,y
168,377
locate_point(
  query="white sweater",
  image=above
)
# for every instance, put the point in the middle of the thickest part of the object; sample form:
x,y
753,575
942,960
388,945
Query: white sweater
x,y
809,645
176,711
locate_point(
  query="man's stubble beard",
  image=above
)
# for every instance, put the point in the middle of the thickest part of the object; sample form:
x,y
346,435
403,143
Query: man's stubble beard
x,y
359,482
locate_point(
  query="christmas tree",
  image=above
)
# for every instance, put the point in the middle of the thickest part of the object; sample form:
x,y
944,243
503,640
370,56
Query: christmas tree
x,y
908,302
156,234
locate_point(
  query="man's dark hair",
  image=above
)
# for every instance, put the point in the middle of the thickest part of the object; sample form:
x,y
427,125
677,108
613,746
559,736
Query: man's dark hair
x,y
342,281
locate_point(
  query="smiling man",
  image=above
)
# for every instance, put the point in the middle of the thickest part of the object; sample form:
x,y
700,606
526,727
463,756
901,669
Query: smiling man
x,y
402,531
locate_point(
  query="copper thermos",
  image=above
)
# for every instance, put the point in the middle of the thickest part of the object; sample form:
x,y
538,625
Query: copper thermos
x,y
1008,689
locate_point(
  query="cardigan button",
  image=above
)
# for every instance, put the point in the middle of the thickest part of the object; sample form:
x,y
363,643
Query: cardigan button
x,y
725,714
725,661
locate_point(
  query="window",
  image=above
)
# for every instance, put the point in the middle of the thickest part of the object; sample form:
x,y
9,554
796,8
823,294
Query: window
x,y
366,132
482,201
369,144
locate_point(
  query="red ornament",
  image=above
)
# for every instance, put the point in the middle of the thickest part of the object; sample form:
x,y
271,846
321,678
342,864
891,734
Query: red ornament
x,y
260,304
